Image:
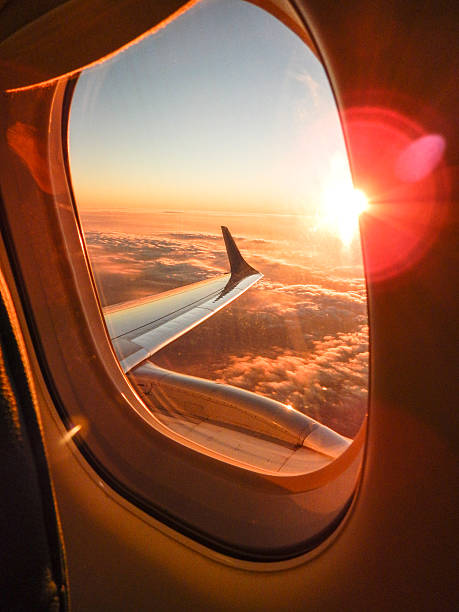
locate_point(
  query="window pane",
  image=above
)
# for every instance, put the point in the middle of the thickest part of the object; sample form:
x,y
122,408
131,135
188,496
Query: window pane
x,y
226,118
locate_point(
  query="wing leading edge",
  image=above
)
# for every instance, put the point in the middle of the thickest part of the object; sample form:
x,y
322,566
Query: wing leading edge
x,y
139,329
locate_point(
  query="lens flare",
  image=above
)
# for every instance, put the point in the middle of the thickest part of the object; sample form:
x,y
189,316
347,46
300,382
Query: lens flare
x,y
403,170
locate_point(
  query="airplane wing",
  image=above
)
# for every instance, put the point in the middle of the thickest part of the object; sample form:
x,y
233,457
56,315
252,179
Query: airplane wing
x,y
139,329
229,418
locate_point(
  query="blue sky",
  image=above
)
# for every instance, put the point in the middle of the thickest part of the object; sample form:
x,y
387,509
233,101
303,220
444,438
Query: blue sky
x,y
225,107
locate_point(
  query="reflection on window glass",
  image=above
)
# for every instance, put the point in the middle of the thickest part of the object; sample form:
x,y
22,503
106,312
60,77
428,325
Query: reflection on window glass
x,y
226,118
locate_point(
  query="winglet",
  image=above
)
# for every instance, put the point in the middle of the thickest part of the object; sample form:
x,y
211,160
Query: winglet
x,y
239,266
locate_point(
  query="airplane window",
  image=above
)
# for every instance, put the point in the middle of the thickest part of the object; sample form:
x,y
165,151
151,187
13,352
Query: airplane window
x,y
211,361
225,118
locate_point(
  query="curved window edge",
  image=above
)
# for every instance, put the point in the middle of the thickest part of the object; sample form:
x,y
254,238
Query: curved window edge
x,y
80,309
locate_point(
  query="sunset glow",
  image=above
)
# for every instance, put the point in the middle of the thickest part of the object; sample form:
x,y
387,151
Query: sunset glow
x,y
341,203
224,121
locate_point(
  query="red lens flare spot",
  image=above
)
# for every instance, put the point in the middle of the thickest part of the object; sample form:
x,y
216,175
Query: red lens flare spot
x,y
420,158
399,168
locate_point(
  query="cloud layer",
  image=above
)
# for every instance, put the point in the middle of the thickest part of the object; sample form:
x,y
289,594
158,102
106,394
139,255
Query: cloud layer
x,y
299,336
329,384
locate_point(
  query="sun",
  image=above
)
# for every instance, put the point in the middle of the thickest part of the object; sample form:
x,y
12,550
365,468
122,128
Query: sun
x,y
341,204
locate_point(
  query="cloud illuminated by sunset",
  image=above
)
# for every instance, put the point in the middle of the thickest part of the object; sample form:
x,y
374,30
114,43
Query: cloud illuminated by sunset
x,y
299,336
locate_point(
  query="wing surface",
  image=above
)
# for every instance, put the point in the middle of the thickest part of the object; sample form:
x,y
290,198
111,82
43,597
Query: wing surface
x,y
139,329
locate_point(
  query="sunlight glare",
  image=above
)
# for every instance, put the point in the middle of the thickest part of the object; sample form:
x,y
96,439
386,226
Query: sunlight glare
x,y
70,434
341,203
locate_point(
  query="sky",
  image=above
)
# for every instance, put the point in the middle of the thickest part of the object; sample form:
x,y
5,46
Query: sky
x,y
224,106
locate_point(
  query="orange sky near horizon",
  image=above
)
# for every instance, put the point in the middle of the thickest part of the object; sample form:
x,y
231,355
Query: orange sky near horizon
x,y
224,109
